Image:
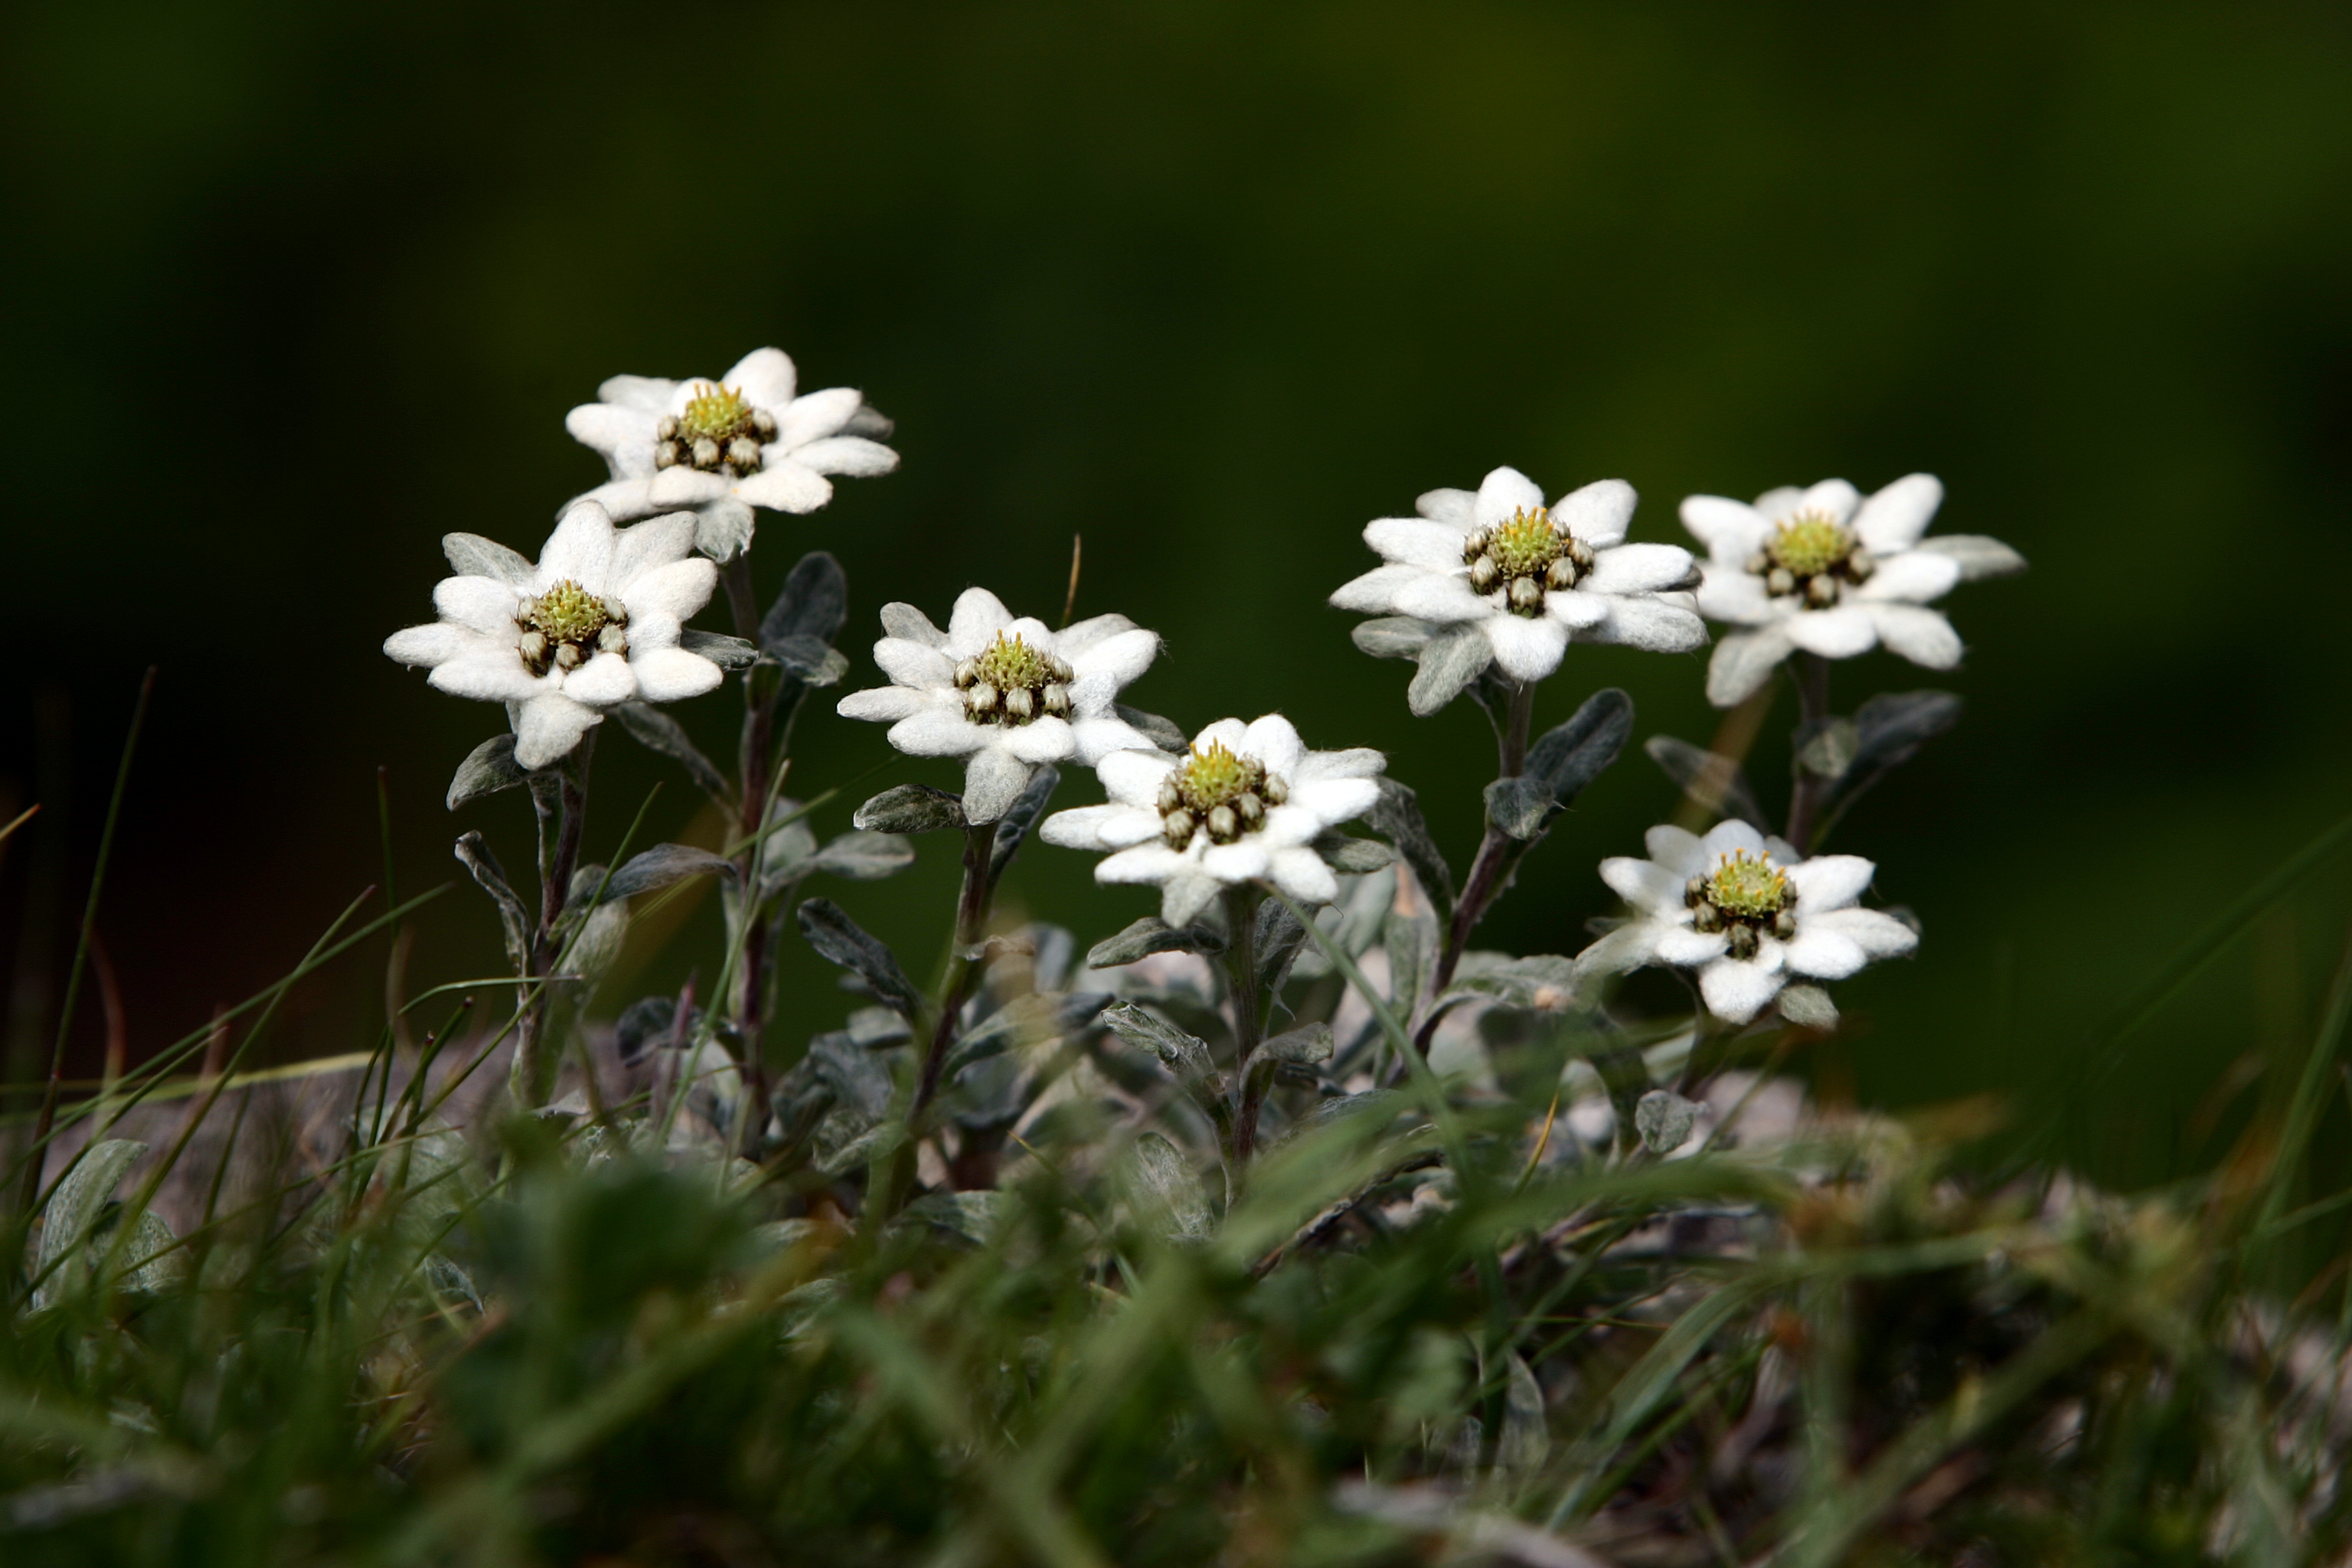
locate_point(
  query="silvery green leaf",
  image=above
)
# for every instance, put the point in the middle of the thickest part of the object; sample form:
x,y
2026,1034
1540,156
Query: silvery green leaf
x,y
813,602
475,855
1541,982
858,1079
1339,1107
1165,1182
1393,636
871,423
726,652
1449,661
1830,750
72,1214
1398,819
471,556
910,808
648,1024
1715,783
1561,764
1275,941
1013,828
876,1142
1890,728
870,1027
841,941
1808,1006
808,660
1352,857
862,857
1187,896
1149,935
1186,1056
972,1215
1023,1022
1664,1119
1978,556
657,732
1307,1046
1410,941
591,941
1525,1442
906,621
658,867
1162,733
723,528
488,769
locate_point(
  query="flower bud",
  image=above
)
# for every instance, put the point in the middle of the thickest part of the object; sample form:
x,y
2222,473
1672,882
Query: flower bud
x,y
1860,565
612,639
1693,892
532,646
525,608
668,454
743,453
764,423
1061,668
1252,810
1020,704
1821,592
1759,564
1779,581
1707,918
1581,553
666,429
1171,798
1483,573
706,452
1176,827
1223,825
1474,544
1743,942
981,699
1057,701
1274,791
1526,594
1784,924
967,672
616,612
567,656
1560,574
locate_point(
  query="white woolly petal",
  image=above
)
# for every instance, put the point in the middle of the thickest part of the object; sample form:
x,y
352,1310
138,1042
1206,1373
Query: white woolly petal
x,y
1526,650
678,589
992,780
650,545
1599,513
906,621
911,664
1126,827
1731,531
780,485
1375,593
1729,837
673,675
1355,762
852,455
1840,632
1727,594
547,726
603,681
1432,598
1896,517
1687,949
1829,882
1045,740
488,676
1506,492
814,417
1415,542
1915,576
1675,849
1302,874
1273,740
1335,800
1920,635
765,377
1079,636
435,644
1834,498
1736,990
624,435
1114,660
973,624
1458,508
1230,734
1654,624
1133,778
1292,824
1877,934
1576,610
1644,884
1743,662
481,605
1637,569
1629,946
1824,954
1080,827
1245,860
938,733
1780,504
1029,629
1099,738
680,487
887,703
580,549
1144,863
645,393
651,630
621,498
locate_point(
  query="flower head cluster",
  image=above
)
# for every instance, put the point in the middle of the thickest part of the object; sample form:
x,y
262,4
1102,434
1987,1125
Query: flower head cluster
x,y
1747,912
1828,572
1004,692
1246,802
722,448
597,622
1531,577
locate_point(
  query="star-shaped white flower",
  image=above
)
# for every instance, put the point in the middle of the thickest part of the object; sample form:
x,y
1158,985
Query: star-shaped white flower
x,y
597,622
1004,692
1247,803
1747,912
1531,577
1828,572
723,447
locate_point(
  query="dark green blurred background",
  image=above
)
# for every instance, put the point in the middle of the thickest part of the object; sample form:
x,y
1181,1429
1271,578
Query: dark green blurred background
x,y
292,289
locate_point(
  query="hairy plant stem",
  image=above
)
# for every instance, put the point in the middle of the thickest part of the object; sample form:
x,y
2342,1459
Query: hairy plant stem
x,y
1490,872
1811,789
1252,1078
756,769
963,964
564,803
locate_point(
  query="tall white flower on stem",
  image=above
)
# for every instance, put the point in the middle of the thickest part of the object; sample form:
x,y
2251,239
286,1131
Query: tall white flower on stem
x,y
1246,804
597,622
1833,574
1004,692
1531,577
722,448
1747,912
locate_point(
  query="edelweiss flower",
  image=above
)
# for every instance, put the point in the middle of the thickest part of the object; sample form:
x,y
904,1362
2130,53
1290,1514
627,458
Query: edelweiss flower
x,y
595,623
723,447
1002,693
1531,577
1747,912
1243,804
1828,572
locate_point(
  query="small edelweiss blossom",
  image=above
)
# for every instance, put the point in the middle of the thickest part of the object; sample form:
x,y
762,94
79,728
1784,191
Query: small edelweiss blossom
x,y
1826,571
1246,802
1746,912
1006,693
720,448
1532,577
597,622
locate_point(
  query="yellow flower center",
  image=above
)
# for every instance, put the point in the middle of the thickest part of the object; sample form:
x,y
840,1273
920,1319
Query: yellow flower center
x,y
1009,682
567,626
722,412
1809,544
718,429
1750,889
1524,558
1218,792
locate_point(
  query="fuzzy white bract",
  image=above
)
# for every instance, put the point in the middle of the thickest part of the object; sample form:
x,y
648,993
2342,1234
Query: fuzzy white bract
x,y
1532,577
722,448
595,623
1826,571
1745,912
1004,692
1247,803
